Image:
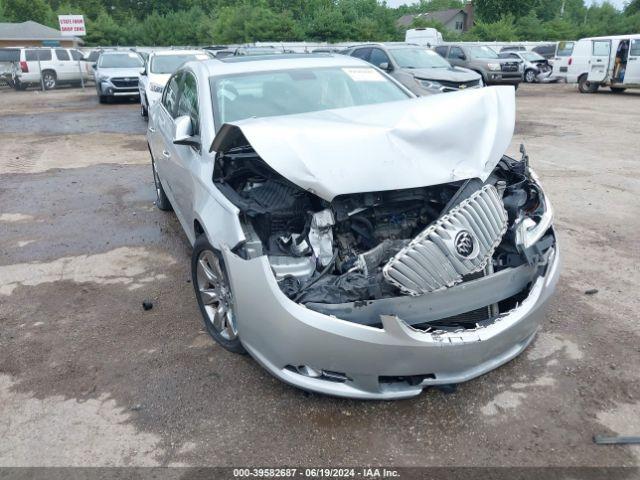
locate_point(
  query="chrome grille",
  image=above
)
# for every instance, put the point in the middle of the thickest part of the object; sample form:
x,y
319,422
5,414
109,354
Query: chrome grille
x,y
441,255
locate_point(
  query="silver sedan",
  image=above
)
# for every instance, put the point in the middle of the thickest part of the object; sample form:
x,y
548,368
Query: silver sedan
x,y
355,240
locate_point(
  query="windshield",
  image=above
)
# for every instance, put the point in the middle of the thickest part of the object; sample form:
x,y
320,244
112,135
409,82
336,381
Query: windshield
x,y
285,92
120,60
482,52
418,58
169,63
565,49
531,56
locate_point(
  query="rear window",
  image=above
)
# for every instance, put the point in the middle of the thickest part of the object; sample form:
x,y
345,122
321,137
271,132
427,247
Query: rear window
x,y
565,49
35,55
8,55
635,48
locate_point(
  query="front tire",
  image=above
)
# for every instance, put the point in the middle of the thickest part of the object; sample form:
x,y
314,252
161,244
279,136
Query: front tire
x,y
530,76
162,201
213,292
144,113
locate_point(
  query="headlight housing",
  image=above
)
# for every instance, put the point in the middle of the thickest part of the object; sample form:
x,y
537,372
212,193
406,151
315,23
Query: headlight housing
x,y
531,229
493,66
429,84
156,87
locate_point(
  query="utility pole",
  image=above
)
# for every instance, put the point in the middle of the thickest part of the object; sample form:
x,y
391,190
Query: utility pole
x,y
562,9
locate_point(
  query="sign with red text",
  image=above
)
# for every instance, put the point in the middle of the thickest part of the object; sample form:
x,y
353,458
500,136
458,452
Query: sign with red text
x,y
72,25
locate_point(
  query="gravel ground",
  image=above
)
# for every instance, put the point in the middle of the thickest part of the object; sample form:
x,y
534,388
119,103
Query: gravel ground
x,y
89,378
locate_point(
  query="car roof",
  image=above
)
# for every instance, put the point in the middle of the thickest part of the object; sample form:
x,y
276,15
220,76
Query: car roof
x,y
265,63
177,52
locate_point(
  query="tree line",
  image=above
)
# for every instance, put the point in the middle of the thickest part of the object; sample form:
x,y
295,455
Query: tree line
x,y
207,22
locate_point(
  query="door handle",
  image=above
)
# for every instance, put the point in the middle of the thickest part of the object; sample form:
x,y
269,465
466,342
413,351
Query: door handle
x,y
152,129
166,154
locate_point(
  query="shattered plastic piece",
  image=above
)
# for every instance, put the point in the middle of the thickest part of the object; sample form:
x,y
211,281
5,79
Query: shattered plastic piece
x,y
591,291
147,305
321,236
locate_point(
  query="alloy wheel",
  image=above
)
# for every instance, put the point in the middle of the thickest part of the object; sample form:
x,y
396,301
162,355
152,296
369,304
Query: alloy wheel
x,y
49,81
215,294
530,76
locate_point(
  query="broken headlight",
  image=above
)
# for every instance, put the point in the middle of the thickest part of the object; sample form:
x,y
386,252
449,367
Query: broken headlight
x,y
536,221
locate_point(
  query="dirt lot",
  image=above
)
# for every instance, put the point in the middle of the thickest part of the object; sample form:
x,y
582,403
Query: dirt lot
x,y
89,378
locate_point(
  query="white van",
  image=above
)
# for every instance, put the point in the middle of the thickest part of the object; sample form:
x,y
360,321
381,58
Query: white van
x,y
428,37
562,59
612,61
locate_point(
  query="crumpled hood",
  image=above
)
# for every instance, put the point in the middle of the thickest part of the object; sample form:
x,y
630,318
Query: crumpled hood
x,y
452,74
406,144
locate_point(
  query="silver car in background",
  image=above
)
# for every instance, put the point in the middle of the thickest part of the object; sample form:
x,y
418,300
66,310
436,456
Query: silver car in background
x,y
355,240
116,75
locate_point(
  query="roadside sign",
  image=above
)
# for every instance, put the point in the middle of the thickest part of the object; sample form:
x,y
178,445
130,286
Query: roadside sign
x,y
72,25
50,43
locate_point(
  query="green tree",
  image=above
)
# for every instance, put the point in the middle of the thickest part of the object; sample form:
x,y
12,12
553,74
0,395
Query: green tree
x,y
530,27
23,10
501,30
491,11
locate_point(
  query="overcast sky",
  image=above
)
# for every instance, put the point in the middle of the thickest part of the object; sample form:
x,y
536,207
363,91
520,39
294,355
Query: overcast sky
x,y
617,3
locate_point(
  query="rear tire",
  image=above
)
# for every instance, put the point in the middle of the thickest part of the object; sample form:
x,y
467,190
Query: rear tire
x,y
49,79
213,291
584,86
162,201
617,89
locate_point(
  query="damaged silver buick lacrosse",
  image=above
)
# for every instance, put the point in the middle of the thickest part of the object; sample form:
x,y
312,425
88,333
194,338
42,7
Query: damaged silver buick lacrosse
x,y
355,240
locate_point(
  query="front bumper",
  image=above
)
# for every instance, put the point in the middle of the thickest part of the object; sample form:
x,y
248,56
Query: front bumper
x,y
110,90
282,335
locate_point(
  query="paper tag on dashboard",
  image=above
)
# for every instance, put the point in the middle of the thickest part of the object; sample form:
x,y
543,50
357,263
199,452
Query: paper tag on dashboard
x,y
364,74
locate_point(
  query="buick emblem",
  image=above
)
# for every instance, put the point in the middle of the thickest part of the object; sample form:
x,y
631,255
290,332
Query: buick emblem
x,y
462,86
464,244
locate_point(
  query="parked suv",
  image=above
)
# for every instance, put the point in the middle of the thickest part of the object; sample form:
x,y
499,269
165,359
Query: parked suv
x,y
419,69
58,66
117,75
494,70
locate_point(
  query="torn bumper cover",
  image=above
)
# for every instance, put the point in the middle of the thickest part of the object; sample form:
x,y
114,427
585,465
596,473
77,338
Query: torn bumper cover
x,y
319,352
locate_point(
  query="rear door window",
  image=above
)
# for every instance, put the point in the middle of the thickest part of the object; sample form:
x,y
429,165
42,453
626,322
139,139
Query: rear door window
x,y
76,55
635,48
35,55
62,55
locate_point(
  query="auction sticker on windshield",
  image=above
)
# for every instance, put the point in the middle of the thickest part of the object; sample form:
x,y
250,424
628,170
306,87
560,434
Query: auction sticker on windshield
x,y
364,74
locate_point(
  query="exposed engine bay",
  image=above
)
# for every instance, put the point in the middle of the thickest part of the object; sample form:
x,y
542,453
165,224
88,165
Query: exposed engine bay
x,y
376,245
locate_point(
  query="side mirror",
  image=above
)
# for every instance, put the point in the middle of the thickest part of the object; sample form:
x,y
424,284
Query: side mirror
x,y
384,66
94,66
143,71
462,56
183,132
